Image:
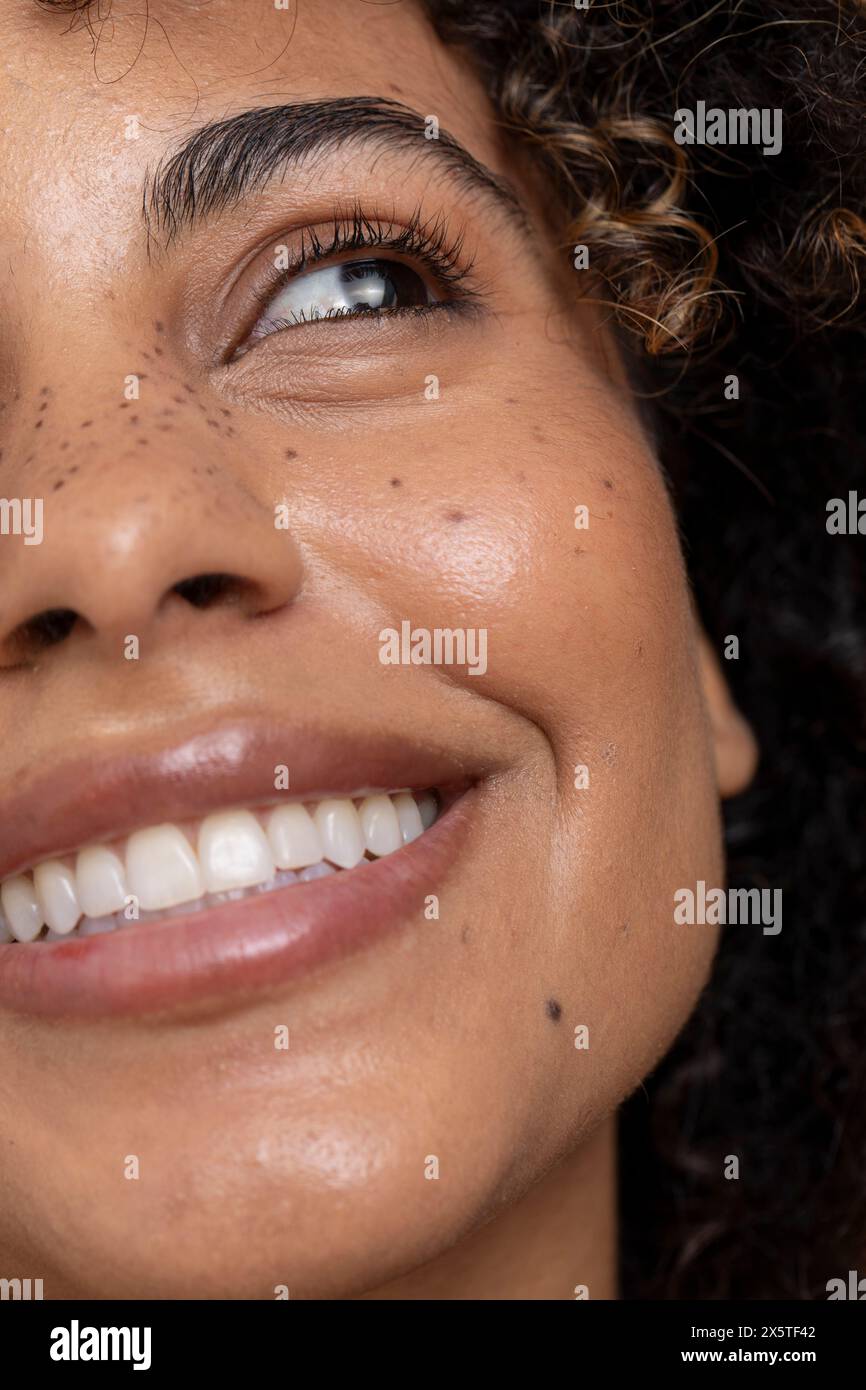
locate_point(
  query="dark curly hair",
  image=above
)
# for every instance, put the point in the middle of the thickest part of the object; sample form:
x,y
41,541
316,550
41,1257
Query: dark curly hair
x,y
718,261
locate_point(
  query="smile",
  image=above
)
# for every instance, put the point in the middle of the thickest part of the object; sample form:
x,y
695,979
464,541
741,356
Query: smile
x,y
168,869
173,879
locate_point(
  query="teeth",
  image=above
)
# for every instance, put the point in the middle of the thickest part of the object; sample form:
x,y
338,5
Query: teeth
x,y
234,852
162,869
58,896
294,840
380,825
22,909
428,808
338,824
95,926
316,871
237,852
409,817
101,882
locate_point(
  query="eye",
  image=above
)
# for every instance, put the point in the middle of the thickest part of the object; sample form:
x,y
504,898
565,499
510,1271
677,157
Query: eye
x,y
344,290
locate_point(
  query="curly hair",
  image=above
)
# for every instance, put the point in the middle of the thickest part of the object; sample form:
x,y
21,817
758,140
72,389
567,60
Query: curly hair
x,y
723,261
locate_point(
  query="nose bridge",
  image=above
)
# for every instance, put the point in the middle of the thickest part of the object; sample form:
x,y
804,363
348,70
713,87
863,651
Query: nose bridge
x,y
133,499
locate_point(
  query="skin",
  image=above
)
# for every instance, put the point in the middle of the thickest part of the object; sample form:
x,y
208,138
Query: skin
x,y
306,1168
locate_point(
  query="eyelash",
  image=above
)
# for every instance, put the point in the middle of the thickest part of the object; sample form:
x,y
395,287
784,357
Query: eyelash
x,y
428,242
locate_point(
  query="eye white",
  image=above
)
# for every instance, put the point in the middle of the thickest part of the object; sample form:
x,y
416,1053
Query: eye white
x,y
346,288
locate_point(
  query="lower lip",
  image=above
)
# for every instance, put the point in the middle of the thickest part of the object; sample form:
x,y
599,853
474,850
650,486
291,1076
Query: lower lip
x,y
253,946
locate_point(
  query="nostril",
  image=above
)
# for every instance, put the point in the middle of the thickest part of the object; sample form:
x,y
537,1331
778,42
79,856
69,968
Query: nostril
x,y
46,629
212,590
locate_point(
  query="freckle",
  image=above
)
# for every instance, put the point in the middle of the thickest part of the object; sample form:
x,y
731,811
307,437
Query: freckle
x,y
395,482
179,400
147,357
43,406
214,424
44,391
165,429
39,424
521,477
58,485
539,437
157,350
225,412
230,430
608,484
30,458
511,400
553,1009
160,327
124,405
73,469
211,469
64,444
85,424
141,441
291,453
168,411
455,516
187,387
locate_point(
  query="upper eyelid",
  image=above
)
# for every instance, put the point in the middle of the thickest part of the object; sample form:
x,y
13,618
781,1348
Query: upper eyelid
x,y
425,239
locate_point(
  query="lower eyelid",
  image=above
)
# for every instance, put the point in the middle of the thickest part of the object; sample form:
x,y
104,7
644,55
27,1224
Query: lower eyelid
x,y
455,307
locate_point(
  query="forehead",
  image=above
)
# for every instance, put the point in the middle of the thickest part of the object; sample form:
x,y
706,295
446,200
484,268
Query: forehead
x,y
88,108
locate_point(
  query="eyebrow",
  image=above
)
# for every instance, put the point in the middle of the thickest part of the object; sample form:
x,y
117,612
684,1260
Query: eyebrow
x,y
224,161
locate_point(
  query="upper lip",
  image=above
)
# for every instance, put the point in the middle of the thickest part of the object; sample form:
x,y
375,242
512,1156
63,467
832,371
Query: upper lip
x,y
89,800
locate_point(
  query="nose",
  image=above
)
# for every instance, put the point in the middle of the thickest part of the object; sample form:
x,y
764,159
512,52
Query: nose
x,y
133,549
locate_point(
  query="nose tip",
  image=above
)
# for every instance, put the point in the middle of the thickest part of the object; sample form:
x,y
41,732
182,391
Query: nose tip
x,y
106,580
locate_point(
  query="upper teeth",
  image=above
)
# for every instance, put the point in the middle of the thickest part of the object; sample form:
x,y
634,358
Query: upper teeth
x,y
166,865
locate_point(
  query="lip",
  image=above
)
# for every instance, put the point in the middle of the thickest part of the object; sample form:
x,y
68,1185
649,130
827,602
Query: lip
x,y
89,801
234,949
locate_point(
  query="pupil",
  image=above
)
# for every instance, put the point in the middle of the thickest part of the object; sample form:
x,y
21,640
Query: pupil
x,y
382,285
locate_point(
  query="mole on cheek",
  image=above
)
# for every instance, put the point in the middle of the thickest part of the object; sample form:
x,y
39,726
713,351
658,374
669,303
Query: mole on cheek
x,y
395,482
553,1009
455,516
291,453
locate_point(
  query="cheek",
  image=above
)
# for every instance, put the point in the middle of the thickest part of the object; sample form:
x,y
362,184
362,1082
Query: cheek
x,y
566,556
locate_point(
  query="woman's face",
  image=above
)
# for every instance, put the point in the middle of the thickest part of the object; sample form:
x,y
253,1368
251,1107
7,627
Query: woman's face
x,y
168,392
